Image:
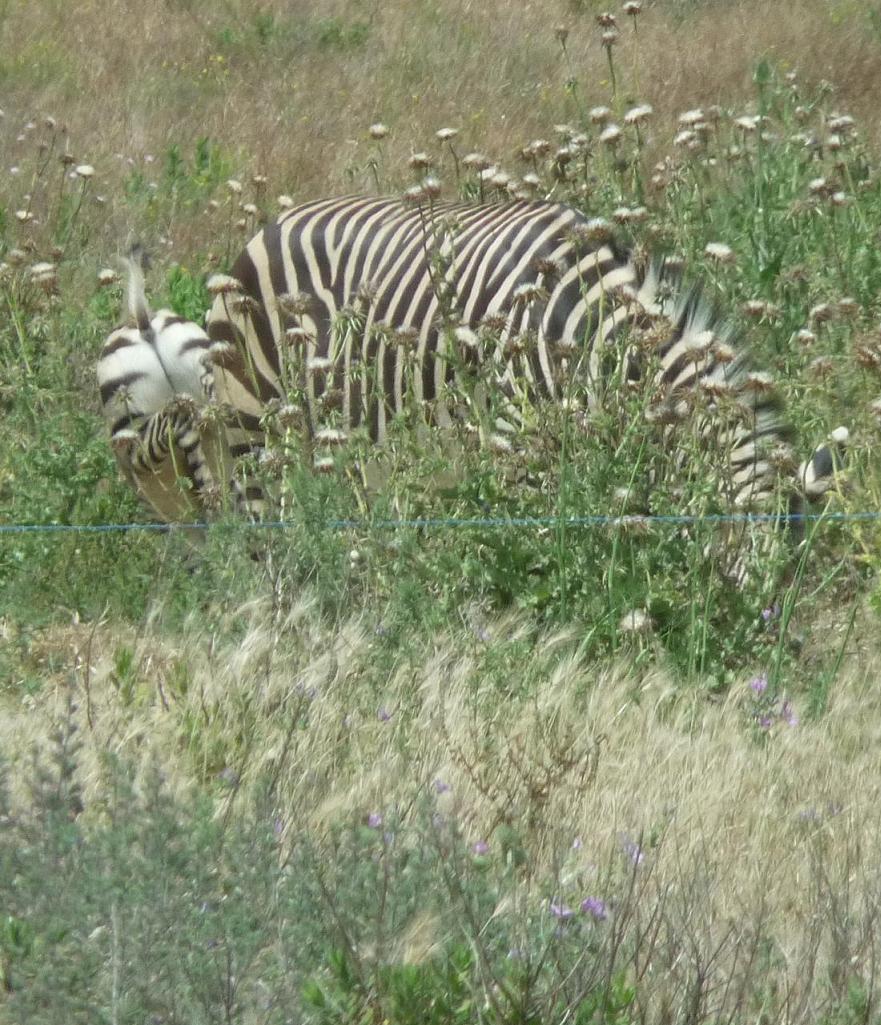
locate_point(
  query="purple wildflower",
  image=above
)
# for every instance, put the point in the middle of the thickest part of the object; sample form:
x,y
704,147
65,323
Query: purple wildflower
x,y
577,843
596,907
374,820
480,847
384,715
772,612
561,911
759,684
632,850
787,714
440,787
765,722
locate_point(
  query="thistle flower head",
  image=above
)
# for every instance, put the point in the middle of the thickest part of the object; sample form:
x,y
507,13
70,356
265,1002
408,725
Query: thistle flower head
x,y
610,135
378,130
107,276
637,621
420,161
476,161
223,284
719,252
234,186
690,118
599,115
637,115
445,134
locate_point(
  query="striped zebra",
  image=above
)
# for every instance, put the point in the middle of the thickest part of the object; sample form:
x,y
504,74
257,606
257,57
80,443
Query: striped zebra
x,y
358,306
154,375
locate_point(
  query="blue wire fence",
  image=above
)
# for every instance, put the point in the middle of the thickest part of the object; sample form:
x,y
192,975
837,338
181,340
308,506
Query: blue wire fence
x,y
443,523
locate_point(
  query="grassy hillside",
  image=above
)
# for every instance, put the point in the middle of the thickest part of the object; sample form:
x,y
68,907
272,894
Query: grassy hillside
x,y
473,771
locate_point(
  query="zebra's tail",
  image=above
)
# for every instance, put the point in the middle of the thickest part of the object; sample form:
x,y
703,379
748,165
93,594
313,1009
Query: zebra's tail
x,y
817,476
136,261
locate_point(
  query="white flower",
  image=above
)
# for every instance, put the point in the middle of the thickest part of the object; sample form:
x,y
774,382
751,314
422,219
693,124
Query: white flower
x,y
636,115
720,252
84,170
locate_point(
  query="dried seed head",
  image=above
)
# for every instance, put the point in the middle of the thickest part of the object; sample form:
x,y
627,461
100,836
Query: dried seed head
x,y
285,202
759,308
690,118
599,115
331,436
378,130
633,8
805,336
323,464
250,209
223,284
719,252
822,366
500,444
723,353
23,216
562,34
875,408
431,186
445,134
686,138
84,171
294,304
529,292
244,305
630,215
637,621
107,277
420,161
759,383
748,123
820,187
477,161
598,230
234,186
298,336
319,364
538,148
840,199
821,313
610,38
848,306
606,20
840,122
610,135
637,115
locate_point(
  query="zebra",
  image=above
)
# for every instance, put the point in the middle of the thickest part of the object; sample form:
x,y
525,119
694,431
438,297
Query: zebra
x,y
529,269
154,374
416,283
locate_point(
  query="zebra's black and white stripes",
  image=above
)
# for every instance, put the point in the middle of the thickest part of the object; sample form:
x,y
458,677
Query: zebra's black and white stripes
x,y
319,301
154,376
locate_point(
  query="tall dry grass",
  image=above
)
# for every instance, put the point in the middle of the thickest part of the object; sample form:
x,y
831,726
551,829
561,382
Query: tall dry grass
x,y
294,97
731,826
